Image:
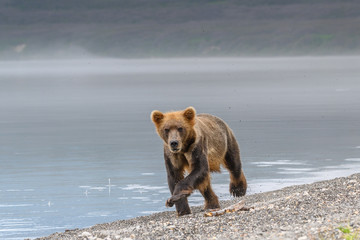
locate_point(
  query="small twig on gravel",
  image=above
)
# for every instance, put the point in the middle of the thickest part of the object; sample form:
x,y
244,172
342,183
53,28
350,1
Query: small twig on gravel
x,y
240,206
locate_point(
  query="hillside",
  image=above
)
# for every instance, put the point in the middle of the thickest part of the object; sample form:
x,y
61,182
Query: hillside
x,y
168,28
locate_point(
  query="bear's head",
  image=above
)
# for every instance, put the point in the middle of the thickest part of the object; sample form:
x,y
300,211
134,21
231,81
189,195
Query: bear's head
x,y
175,128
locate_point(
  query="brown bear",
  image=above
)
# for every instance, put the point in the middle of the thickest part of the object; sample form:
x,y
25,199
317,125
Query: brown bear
x,y
198,145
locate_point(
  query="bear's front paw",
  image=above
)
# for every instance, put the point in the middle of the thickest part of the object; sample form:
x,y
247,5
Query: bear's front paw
x,y
169,203
174,198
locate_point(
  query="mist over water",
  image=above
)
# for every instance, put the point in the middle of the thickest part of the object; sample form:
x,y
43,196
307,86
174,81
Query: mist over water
x,y
77,146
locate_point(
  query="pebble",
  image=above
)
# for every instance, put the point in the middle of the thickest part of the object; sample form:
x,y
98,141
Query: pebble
x,y
85,234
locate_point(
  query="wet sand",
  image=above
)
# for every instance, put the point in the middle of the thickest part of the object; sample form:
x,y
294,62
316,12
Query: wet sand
x,y
309,211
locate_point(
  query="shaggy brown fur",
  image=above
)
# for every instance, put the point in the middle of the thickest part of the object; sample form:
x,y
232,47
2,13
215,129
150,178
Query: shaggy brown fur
x,y
198,145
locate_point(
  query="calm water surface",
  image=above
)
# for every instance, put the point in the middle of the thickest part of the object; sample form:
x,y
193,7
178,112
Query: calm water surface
x,y
77,146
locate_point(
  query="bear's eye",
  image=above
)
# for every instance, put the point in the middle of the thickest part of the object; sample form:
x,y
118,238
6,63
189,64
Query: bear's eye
x,y
167,130
180,129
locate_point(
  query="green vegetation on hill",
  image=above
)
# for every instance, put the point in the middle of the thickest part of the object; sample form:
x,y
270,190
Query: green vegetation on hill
x,y
170,28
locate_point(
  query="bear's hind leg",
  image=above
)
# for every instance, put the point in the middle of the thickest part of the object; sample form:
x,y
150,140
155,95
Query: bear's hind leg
x,y
238,186
238,183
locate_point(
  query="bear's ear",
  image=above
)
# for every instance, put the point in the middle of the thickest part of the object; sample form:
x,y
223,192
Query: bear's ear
x,y
157,116
189,113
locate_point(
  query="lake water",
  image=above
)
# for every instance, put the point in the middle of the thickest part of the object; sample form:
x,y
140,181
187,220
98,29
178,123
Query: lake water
x,y
77,146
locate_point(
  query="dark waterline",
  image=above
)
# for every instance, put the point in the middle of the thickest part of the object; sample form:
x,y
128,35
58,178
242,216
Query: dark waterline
x,y
77,146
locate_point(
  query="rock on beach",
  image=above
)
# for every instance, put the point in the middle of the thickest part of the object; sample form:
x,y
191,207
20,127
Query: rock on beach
x,y
309,211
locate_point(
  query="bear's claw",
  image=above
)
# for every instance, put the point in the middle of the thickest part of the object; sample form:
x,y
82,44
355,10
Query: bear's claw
x,y
169,203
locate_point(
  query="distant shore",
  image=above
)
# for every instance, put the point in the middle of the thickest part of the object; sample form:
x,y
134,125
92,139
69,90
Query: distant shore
x,y
128,29
309,211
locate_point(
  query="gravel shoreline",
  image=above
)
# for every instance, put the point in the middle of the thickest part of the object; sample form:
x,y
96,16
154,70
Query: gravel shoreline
x,y
309,211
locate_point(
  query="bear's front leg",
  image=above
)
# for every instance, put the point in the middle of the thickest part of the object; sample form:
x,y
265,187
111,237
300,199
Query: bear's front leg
x,y
179,194
198,175
174,176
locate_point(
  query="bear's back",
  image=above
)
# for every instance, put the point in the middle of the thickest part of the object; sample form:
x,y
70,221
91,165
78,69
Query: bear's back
x,y
216,134
212,122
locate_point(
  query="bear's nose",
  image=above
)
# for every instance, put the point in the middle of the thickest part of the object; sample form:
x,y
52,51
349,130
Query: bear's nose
x,y
174,144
